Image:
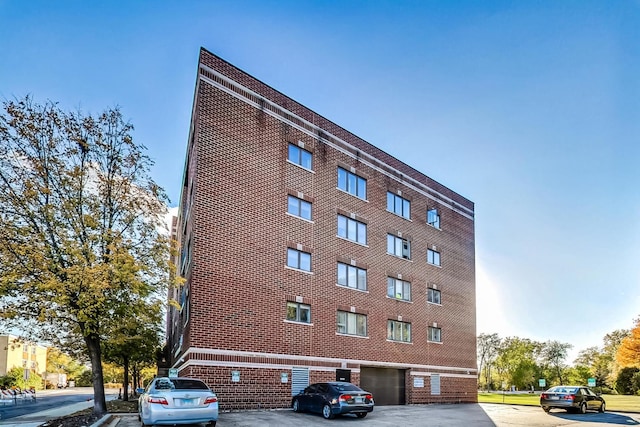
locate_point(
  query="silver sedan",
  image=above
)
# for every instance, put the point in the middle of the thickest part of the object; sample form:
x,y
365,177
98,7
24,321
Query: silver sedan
x,y
168,401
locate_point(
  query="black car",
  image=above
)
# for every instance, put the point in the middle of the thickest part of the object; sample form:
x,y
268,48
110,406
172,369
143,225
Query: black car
x,y
334,398
571,398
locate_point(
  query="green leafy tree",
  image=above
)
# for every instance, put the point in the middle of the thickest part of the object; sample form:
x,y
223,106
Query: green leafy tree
x,y
598,364
16,378
625,383
488,345
554,354
80,226
135,339
516,362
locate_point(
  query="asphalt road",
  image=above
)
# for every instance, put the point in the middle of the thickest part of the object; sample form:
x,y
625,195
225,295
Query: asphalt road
x,y
476,415
46,400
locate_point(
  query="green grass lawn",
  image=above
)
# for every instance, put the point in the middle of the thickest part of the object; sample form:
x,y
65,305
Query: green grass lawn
x,y
614,402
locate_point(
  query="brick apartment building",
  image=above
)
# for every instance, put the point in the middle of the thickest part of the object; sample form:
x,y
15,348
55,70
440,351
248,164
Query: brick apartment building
x,y
310,255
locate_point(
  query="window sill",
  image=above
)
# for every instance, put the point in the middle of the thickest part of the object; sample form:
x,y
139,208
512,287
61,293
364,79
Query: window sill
x,y
300,166
297,269
353,195
364,291
400,342
352,241
399,299
433,226
434,342
439,304
352,336
298,323
299,217
399,257
399,216
435,265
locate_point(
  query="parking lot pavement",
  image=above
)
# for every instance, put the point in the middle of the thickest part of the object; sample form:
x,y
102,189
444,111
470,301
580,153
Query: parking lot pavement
x,y
477,415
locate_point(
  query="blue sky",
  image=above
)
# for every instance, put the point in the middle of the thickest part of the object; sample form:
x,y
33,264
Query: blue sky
x,y
531,109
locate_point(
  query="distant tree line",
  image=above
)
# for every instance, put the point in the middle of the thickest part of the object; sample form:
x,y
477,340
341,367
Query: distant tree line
x,y
509,362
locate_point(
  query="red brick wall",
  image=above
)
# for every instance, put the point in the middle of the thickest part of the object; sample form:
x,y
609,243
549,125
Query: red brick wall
x,y
239,284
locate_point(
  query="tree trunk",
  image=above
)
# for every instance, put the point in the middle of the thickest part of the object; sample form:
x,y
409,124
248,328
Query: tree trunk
x,y
99,402
125,365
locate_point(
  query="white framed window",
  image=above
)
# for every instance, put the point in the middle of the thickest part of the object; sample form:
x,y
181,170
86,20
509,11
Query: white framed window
x,y
398,289
433,296
299,207
352,323
433,217
352,183
398,205
434,334
298,259
300,156
433,257
398,246
351,229
352,277
297,312
398,331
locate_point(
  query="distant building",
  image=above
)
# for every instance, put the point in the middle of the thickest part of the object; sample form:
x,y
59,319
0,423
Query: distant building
x,y
17,353
311,255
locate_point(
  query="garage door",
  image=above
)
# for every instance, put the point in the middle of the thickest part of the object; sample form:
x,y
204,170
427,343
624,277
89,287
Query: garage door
x,y
386,385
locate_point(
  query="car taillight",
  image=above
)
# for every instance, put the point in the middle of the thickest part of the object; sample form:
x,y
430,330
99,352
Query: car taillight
x,y
345,397
569,397
543,396
210,399
160,400
368,397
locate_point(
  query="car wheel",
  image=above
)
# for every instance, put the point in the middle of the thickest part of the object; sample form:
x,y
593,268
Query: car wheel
x,y
546,409
602,408
583,408
361,414
296,406
326,411
212,424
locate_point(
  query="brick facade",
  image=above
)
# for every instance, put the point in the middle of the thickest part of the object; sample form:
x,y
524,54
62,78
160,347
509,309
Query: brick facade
x,y
234,231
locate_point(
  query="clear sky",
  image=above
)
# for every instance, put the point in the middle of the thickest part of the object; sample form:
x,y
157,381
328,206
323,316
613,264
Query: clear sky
x,y
531,109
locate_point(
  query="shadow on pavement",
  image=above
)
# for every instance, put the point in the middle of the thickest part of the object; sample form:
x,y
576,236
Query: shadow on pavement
x,y
594,417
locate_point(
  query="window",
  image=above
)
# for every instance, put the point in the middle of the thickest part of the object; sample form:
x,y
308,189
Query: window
x,y
435,334
398,205
433,218
398,331
433,296
299,156
352,230
398,246
352,323
433,257
398,289
299,207
352,277
352,184
297,312
298,259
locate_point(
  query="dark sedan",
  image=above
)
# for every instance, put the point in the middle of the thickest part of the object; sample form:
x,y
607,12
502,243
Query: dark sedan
x,y
334,398
572,398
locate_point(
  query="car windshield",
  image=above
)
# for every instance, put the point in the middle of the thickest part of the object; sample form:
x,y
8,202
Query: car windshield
x,y
346,387
569,390
180,384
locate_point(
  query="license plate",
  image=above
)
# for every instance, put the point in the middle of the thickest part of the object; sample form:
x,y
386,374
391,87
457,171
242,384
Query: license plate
x,y
359,399
554,398
187,402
